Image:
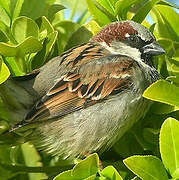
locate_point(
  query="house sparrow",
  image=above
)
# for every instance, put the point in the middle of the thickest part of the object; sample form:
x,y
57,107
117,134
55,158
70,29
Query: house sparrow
x,y
87,98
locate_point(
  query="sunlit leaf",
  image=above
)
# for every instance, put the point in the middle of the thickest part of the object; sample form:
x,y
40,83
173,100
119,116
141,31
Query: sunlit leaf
x,y
32,160
97,13
65,30
86,167
169,145
144,10
164,92
111,173
54,8
17,9
93,27
122,7
42,56
146,167
4,72
167,22
23,28
4,17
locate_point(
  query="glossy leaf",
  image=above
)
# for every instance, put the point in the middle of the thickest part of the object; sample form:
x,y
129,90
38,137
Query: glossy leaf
x,y
164,92
146,167
82,35
176,55
13,67
169,145
4,17
23,28
39,59
4,72
33,160
17,9
144,10
93,27
109,5
35,9
111,173
3,37
65,30
97,13
174,79
167,22
53,9
86,167
30,45
160,108
65,175
4,126
166,3
122,7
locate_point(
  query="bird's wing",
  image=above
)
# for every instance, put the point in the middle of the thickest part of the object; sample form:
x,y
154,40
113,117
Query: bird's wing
x,y
92,79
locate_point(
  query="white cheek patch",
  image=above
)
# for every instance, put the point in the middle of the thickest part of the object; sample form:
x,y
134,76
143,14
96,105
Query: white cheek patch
x,y
127,35
121,48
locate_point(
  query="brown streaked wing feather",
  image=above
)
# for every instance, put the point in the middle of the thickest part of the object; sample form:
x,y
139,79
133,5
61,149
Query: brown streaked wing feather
x,y
83,87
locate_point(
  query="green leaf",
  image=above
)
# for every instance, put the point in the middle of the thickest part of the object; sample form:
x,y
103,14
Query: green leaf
x,y
54,8
122,7
164,92
65,175
128,145
45,27
167,22
17,9
151,135
30,45
173,79
111,173
144,10
97,13
82,35
4,126
65,30
13,67
169,145
136,178
146,167
33,160
43,55
160,108
4,17
4,72
3,37
164,2
23,28
93,27
93,177
5,5
176,55
86,167
109,5
35,9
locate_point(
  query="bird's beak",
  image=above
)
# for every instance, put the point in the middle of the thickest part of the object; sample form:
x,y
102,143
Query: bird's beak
x,y
153,49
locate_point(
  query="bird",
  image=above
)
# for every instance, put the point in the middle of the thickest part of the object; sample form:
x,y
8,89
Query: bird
x,y
84,100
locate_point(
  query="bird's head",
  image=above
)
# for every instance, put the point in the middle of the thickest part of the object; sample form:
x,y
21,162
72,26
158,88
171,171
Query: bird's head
x,y
129,38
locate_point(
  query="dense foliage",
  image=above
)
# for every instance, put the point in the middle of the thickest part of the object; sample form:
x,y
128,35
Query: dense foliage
x,y
32,32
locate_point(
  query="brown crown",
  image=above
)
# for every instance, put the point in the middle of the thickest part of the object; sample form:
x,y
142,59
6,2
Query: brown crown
x,y
114,31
